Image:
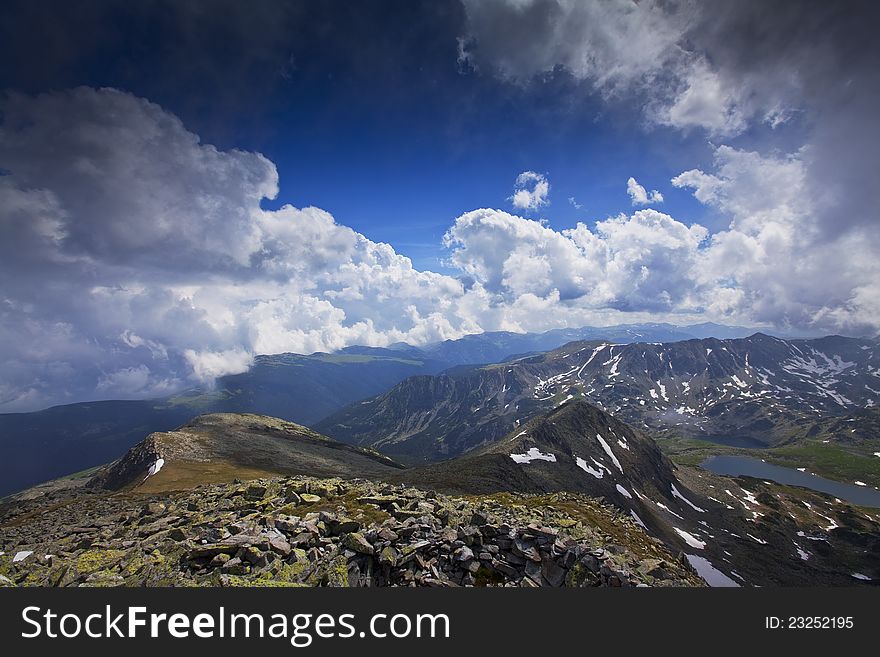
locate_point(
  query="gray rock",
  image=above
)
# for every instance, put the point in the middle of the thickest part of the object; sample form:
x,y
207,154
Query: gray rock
x,y
177,534
279,545
464,554
343,525
255,492
386,534
552,572
356,542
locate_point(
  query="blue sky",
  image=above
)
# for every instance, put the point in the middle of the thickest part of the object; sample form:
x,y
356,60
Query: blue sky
x,y
376,120
187,185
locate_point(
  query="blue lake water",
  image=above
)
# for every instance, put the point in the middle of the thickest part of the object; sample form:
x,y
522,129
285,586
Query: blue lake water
x,y
736,466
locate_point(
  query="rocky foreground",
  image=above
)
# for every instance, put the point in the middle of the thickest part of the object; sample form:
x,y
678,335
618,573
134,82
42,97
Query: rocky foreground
x,y
302,531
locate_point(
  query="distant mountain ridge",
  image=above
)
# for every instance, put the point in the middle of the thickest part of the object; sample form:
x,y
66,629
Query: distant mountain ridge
x,y
758,389
295,387
493,347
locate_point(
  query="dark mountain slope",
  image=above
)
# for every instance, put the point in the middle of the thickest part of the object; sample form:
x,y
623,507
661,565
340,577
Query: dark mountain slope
x,y
57,441
734,530
576,447
304,389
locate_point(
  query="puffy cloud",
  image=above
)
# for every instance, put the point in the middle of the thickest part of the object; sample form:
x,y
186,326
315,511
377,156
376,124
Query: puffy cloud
x,y
705,100
209,365
717,66
612,43
122,150
639,262
712,65
639,195
137,381
531,191
803,234
775,263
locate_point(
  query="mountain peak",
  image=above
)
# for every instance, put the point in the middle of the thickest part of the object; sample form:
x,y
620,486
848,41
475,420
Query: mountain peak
x,y
221,447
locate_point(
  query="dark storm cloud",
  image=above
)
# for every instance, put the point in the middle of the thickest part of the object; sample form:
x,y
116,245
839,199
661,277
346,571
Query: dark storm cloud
x,y
821,60
202,46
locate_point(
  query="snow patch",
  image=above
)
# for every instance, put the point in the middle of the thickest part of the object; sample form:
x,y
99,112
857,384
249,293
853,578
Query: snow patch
x,y
750,497
22,555
534,454
662,391
668,510
623,491
155,468
638,520
583,465
708,572
676,493
608,451
690,539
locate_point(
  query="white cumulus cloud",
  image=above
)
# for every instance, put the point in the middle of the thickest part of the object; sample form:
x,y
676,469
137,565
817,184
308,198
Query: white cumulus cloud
x,y
639,195
136,258
531,191
210,365
775,262
637,262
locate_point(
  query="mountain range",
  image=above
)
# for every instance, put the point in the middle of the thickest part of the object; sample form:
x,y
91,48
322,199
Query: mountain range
x,y
750,392
300,388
